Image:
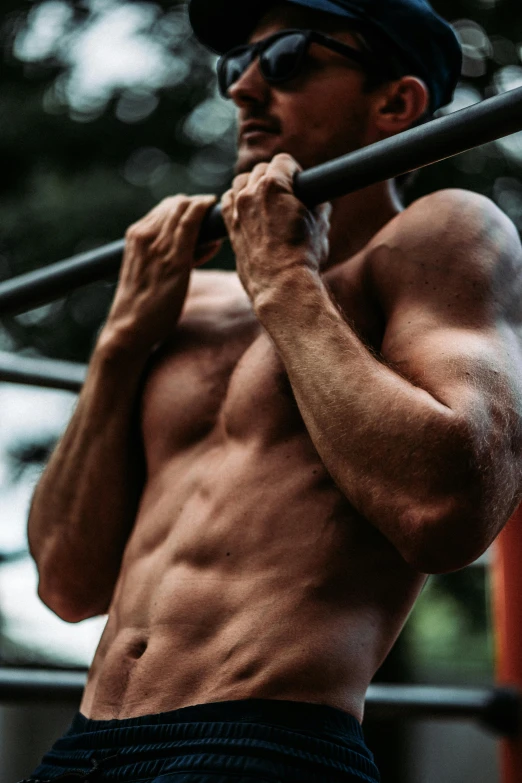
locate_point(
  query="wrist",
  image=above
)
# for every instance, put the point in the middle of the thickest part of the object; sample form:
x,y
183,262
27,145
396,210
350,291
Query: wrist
x,y
292,288
120,341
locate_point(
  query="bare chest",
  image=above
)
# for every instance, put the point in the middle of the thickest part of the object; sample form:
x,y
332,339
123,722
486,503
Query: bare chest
x,y
222,374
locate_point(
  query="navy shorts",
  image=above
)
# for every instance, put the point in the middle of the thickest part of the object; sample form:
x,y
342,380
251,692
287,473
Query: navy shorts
x,y
248,741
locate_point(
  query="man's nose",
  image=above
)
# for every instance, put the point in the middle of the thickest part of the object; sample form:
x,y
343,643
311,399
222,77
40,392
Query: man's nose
x,y
250,88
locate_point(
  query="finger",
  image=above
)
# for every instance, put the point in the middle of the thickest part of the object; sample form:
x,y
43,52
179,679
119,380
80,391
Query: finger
x,y
167,206
240,182
283,168
228,201
144,233
168,219
188,228
257,173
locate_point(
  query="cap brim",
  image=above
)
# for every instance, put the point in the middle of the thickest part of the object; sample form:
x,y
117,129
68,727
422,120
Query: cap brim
x,y
223,24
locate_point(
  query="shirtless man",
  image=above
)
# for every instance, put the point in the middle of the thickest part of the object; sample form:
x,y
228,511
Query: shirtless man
x,y
263,466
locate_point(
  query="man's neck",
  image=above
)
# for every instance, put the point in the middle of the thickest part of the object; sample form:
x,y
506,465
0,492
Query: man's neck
x,y
358,217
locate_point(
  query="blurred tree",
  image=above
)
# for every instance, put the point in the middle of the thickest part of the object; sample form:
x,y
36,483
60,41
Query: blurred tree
x,y
105,108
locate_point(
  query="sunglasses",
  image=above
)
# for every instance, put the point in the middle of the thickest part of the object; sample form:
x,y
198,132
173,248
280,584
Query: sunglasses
x,y
281,57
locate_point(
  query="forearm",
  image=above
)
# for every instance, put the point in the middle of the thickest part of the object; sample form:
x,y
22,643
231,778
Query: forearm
x,y
85,503
394,450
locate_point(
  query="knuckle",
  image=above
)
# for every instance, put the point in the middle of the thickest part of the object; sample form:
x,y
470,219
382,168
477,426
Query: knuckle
x,y
170,205
269,183
241,180
227,204
266,182
187,218
137,233
227,197
243,199
179,198
283,157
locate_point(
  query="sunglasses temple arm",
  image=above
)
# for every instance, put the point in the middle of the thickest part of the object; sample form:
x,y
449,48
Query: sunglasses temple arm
x,y
413,149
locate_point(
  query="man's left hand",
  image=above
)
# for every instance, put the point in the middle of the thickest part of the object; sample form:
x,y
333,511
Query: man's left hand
x,y
271,231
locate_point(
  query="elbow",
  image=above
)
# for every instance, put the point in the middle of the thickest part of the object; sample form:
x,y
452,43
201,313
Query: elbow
x,y
445,541
60,607
64,609
65,601
68,610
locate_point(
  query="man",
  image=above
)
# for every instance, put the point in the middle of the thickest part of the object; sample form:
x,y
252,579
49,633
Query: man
x,y
263,467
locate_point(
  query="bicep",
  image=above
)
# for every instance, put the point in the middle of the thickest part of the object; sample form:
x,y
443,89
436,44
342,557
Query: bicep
x,y
453,307
476,373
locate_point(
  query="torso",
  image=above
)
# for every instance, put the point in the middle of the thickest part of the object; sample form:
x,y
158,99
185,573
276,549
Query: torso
x,y
248,573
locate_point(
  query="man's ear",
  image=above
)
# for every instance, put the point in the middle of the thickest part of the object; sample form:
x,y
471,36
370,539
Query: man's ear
x,y
401,104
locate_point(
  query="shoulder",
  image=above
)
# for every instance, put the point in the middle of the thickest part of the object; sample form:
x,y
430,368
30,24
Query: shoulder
x,y
452,241
449,218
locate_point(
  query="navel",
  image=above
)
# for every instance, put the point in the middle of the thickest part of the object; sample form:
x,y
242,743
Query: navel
x,y
137,649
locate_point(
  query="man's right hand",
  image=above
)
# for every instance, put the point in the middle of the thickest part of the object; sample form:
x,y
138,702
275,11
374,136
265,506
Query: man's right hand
x,y
160,252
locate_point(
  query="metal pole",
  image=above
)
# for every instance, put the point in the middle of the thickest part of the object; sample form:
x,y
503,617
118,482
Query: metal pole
x,y
33,289
496,709
47,373
435,141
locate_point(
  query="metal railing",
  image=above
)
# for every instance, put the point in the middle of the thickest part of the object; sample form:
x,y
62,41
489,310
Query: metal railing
x,y
415,148
46,373
499,710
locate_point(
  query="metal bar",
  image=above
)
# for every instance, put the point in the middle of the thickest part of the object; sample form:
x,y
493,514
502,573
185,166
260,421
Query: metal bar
x,y
48,373
33,289
496,709
18,686
430,143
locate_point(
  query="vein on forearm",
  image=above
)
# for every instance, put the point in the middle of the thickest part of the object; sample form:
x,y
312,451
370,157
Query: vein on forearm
x,y
379,435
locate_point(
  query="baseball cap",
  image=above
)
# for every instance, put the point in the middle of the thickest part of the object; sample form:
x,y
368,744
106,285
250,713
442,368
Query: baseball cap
x,y
422,40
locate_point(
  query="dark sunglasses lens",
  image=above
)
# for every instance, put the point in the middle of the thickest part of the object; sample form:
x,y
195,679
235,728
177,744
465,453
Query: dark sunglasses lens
x,y
232,67
282,58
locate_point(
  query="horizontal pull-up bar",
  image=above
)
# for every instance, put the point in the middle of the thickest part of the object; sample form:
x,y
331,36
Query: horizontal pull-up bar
x,y
418,147
46,373
497,709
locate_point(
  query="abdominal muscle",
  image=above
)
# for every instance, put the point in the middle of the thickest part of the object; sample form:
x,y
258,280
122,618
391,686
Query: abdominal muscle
x,y
250,578
247,573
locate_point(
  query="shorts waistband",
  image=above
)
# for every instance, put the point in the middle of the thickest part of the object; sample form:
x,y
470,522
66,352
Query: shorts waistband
x,y
250,735
292,715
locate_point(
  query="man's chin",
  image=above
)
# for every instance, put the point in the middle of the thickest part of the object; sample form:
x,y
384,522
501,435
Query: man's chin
x,y
247,159
248,163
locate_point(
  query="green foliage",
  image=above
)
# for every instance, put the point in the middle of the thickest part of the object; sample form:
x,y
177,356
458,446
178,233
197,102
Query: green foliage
x,y
80,160
449,633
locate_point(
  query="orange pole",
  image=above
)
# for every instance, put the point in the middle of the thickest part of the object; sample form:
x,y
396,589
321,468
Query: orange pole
x,y
507,605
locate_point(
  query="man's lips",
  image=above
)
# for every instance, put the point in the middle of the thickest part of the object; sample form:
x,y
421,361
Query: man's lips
x,y
251,127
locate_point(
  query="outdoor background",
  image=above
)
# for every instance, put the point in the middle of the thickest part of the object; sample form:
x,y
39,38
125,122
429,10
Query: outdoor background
x,y
106,107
